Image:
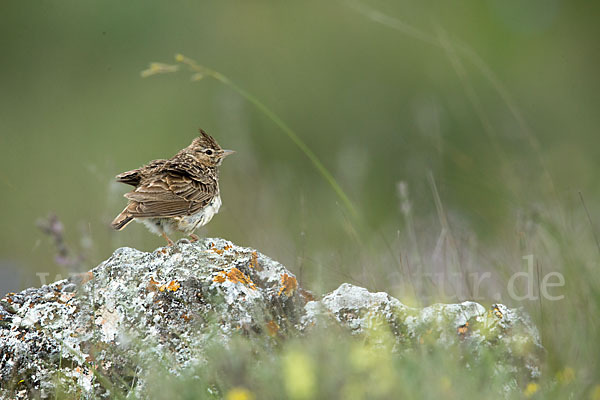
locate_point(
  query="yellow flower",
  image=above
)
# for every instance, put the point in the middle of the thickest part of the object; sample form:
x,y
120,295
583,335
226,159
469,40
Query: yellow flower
x,y
531,389
239,393
445,384
595,395
566,376
299,373
362,358
354,390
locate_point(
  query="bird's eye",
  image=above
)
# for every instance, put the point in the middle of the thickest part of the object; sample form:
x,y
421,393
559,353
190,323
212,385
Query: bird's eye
x,y
208,152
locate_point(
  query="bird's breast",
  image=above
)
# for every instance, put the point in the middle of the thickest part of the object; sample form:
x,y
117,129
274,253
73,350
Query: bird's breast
x,y
189,223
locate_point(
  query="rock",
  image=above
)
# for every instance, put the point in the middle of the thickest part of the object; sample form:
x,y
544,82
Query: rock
x,y
94,333
169,299
443,325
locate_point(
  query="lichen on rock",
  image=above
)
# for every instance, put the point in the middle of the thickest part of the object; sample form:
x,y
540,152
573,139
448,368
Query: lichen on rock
x,y
101,328
168,300
510,331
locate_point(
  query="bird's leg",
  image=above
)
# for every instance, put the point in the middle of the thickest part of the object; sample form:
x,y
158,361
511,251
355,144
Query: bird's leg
x,y
169,241
194,238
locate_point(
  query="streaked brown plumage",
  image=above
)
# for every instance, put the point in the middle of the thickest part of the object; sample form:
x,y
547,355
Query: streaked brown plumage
x,y
178,194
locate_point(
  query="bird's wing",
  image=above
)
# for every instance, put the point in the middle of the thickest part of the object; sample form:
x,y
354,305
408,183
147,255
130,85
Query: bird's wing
x,y
134,176
130,177
170,193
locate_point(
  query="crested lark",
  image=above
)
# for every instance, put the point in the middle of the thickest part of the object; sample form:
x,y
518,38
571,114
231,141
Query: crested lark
x,y
178,194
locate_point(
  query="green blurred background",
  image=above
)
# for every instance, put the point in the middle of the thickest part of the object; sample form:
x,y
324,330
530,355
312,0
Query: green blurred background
x,y
382,91
484,114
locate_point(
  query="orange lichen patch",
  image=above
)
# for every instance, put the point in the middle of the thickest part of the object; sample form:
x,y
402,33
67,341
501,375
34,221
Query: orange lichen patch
x,y
463,330
215,249
185,317
254,261
220,251
172,286
235,276
65,297
84,277
152,285
306,295
288,285
273,328
496,311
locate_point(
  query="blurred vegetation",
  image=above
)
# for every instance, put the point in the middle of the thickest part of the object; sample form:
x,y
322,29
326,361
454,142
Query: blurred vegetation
x,y
463,133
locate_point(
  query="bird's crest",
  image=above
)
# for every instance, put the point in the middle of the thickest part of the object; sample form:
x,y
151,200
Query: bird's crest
x,y
205,140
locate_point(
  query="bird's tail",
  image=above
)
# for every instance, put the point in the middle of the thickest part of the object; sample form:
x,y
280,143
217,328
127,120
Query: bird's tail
x,y
122,220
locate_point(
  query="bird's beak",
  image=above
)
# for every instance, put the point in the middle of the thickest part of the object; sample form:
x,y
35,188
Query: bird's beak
x,y
227,153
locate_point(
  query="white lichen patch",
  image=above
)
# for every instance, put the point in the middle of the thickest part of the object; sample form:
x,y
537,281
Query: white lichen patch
x,y
354,306
109,322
